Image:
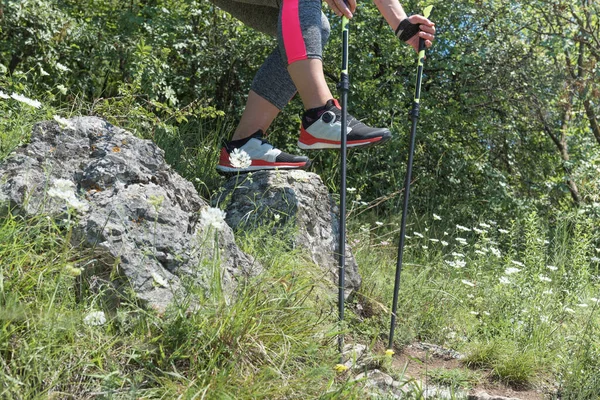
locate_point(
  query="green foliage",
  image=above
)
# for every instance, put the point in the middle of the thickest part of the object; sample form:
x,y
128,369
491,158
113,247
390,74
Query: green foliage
x,y
166,67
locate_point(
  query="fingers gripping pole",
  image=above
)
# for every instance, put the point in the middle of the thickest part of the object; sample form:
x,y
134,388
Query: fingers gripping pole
x,y
415,116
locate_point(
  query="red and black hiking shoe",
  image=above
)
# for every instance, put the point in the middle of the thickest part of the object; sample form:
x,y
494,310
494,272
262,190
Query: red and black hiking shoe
x,y
322,129
254,154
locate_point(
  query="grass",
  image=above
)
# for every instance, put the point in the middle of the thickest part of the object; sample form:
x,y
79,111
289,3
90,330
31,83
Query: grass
x,y
454,378
514,299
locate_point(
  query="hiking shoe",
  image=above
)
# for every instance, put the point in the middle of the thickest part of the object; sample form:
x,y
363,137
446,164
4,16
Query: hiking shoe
x,y
255,153
322,127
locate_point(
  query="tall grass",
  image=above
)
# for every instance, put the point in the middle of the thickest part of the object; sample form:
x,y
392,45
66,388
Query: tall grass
x,y
520,300
274,340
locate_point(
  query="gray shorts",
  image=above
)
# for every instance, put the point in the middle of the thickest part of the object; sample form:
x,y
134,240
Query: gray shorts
x,y
301,29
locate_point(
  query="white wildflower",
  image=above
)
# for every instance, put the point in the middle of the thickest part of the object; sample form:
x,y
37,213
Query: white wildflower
x,y
484,225
43,72
437,217
503,231
78,204
548,292
62,189
474,313
462,241
65,123
468,283
65,189
159,279
544,278
351,190
239,159
417,234
211,216
445,233
463,228
4,95
519,263
595,259
455,254
478,231
545,319
582,305
73,270
26,100
95,318
277,217
480,252
434,240
408,237
378,223
471,296
551,267
511,270
486,313
495,252
62,67
384,243
425,247
450,263
595,300
444,243
504,280
569,310
459,264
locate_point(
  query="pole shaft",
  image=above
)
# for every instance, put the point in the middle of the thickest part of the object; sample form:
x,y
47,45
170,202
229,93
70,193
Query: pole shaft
x,y
411,149
344,89
413,134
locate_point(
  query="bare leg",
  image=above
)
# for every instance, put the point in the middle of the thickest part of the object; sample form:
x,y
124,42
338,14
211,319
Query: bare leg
x,y
258,114
309,79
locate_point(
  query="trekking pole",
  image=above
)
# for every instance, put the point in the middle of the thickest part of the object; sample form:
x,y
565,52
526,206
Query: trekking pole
x,y
415,116
344,87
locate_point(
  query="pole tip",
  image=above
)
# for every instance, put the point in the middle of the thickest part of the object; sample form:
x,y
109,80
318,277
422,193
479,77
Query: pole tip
x,y
389,353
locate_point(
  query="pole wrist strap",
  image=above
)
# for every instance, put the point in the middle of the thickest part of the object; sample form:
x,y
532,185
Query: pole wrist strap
x,y
406,30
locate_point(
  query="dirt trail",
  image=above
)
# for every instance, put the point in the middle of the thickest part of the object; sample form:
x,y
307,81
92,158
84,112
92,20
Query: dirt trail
x,y
417,359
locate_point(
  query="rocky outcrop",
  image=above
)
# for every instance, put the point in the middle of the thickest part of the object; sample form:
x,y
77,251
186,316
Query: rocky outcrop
x,y
297,198
115,191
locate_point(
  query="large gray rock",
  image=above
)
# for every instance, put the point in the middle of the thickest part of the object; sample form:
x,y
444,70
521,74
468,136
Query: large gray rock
x,y
128,205
293,197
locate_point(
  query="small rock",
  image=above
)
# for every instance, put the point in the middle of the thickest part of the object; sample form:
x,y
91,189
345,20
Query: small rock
x,y
439,351
376,378
354,354
484,396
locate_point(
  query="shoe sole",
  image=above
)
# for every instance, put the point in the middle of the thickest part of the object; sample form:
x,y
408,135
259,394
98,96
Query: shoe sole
x,y
351,145
224,170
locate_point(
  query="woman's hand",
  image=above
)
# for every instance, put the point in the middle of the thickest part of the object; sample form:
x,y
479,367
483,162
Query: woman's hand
x,y
427,31
341,7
